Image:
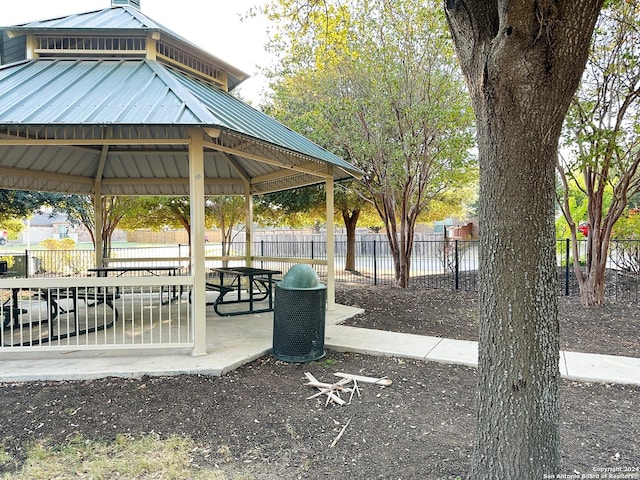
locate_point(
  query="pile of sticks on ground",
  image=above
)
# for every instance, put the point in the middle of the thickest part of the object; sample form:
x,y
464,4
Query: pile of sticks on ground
x,y
348,384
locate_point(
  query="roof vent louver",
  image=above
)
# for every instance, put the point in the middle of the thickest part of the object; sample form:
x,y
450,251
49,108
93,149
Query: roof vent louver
x,y
131,3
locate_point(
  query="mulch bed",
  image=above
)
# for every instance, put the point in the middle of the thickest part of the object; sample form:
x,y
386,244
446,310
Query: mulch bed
x,y
257,421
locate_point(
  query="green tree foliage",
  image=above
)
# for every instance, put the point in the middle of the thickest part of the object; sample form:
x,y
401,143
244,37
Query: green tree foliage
x,y
377,82
602,132
307,206
625,246
19,203
13,226
222,211
80,210
297,207
226,212
157,212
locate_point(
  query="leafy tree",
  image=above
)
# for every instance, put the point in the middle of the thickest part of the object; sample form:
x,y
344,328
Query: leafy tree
x,y
13,226
19,203
156,213
603,133
226,212
377,82
80,210
522,61
296,207
307,206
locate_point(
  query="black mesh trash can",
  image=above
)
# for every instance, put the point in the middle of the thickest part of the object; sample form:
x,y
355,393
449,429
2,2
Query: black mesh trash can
x,y
299,316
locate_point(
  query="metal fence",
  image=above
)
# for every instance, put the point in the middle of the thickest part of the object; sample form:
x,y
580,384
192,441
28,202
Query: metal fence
x,y
449,264
92,313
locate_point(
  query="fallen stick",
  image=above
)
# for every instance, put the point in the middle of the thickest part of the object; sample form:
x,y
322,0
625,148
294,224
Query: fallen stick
x,y
354,389
330,388
336,386
311,378
384,381
330,395
335,440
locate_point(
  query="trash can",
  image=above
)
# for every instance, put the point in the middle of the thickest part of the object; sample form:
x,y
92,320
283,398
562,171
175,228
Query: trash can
x,y
299,316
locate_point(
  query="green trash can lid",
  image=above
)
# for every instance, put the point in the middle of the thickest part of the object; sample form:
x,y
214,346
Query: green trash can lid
x,y
301,276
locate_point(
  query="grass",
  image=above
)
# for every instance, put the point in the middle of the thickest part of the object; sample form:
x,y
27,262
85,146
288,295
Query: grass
x,y
125,458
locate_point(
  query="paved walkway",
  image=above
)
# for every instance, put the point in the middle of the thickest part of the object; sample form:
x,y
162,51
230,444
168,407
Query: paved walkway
x,y
234,342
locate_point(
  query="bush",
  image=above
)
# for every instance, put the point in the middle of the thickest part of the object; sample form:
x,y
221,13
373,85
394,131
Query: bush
x,y
66,260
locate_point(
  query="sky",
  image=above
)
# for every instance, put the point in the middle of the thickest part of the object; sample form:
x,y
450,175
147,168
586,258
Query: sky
x,y
213,25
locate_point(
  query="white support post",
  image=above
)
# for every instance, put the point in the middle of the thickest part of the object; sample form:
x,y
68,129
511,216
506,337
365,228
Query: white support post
x,y
248,229
331,273
196,199
97,201
98,213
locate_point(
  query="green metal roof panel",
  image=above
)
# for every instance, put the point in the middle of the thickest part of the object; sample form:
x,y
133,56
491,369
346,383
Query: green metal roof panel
x,y
233,114
81,92
135,92
120,17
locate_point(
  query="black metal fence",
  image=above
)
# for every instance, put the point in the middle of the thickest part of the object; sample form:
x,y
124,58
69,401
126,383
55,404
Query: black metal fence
x,y
448,264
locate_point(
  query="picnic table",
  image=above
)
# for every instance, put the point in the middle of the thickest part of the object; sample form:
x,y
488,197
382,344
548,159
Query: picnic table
x,y
156,270
259,286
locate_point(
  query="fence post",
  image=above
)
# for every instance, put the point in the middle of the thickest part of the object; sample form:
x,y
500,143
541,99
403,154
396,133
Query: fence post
x,y
457,265
26,264
312,250
375,264
566,268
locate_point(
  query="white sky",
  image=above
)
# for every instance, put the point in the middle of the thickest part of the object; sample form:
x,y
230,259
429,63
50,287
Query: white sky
x,y
213,25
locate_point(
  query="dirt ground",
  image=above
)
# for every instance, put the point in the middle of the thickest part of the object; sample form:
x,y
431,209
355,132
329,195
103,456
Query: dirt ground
x,y
258,422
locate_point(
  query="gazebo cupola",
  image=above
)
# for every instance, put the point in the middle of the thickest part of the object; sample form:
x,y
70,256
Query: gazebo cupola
x,y
121,31
132,3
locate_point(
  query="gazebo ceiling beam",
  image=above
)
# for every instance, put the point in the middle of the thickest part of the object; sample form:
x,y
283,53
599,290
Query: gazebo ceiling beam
x,y
268,161
56,177
169,181
72,142
283,174
101,163
262,191
236,165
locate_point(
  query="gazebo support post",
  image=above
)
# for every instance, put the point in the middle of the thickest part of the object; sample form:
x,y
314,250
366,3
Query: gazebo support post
x,y
331,274
196,200
248,228
98,213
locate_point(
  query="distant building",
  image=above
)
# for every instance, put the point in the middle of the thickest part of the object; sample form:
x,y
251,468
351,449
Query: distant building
x,y
42,226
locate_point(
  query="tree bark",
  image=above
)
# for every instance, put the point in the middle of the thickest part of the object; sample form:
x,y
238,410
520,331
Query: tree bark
x,y
522,61
350,219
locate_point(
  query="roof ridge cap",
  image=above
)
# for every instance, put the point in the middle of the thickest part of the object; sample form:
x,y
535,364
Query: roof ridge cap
x,y
191,102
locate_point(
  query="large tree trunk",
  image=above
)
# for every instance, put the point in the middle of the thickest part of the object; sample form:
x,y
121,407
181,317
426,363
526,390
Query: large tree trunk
x,y
519,347
522,61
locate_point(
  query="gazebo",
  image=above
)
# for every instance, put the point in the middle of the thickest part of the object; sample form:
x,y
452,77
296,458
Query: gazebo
x,y
109,103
